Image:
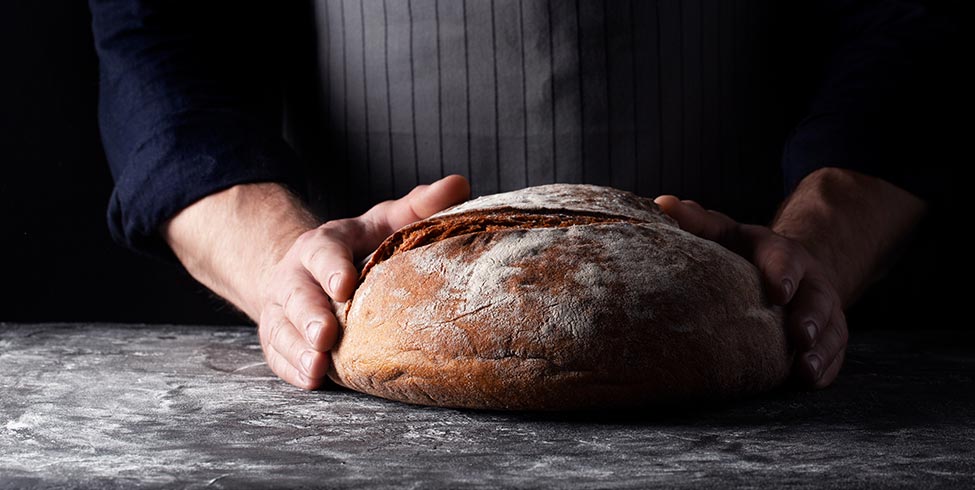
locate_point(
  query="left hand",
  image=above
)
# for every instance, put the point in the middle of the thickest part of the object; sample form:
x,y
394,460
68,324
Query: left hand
x,y
793,278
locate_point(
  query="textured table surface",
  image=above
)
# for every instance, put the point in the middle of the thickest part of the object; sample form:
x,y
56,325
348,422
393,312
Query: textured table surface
x,y
104,406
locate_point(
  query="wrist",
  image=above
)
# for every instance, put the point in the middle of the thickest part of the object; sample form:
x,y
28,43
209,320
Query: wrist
x,y
838,270
230,240
849,223
821,215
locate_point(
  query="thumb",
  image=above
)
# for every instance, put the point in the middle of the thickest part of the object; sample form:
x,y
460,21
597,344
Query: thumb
x,y
383,219
694,219
440,195
422,202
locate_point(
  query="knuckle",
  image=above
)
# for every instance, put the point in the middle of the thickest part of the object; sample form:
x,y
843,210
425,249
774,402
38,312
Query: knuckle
x,y
830,300
334,228
286,304
783,251
795,249
317,258
328,231
265,328
371,223
784,245
296,345
777,260
779,249
822,296
274,361
272,335
834,339
769,260
306,237
821,317
275,294
379,210
275,333
296,300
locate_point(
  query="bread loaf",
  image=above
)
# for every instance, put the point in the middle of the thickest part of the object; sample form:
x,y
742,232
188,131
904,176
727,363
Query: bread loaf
x,y
557,297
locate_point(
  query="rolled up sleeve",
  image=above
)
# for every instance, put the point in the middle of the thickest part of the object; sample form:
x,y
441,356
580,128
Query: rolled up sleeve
x,y
873,112
187,108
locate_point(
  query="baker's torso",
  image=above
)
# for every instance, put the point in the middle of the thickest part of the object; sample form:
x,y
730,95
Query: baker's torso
x,y
679,97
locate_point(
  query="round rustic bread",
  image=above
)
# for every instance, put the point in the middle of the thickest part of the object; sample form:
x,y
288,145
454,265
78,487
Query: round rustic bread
x,y
557,297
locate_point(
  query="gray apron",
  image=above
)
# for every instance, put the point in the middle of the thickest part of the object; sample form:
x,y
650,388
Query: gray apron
x,y
653,97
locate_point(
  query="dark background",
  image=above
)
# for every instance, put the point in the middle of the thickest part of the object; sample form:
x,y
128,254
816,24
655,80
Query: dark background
x,y
61,265
59,262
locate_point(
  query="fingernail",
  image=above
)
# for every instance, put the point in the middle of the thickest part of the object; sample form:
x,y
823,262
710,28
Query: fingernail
x,y
811,330
314,329
333,282
787,286
814,363
307,359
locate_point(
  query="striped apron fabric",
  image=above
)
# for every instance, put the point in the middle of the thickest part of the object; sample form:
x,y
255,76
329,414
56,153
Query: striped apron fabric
x,y
668,96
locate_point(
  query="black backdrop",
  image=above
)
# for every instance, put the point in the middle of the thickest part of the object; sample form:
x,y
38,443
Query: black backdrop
x,y
59,262
61,265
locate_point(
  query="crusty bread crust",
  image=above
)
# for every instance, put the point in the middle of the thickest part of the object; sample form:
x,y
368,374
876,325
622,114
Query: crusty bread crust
x,y
557,297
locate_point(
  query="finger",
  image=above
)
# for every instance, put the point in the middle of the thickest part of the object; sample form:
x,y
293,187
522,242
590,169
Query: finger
x,y
821,359
830,374
667,203
782,264
275,360
696,220
277,332
284,370
420,203
325,254
307,308
440,195
809,311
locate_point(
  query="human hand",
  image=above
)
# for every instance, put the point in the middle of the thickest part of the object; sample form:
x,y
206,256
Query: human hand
x,y
794,278
297,326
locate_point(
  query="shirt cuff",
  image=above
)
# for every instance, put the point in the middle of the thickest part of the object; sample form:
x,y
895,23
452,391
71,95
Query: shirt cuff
x,y
862,144
186,162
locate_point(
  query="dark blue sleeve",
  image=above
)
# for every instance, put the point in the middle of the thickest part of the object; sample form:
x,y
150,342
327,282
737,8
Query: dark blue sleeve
x,y
187,107
873,111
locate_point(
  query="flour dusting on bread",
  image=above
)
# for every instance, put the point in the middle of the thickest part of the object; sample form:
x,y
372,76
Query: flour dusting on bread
x,y
557,297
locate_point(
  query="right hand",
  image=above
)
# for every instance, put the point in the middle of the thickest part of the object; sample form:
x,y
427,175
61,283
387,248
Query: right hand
x,y
297,326
793,277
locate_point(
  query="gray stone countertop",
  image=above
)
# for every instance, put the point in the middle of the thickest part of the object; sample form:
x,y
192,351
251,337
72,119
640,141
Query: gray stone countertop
x,y
109,406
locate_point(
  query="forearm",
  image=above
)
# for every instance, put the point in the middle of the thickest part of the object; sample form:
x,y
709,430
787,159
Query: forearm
x,y
851,222
230,239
